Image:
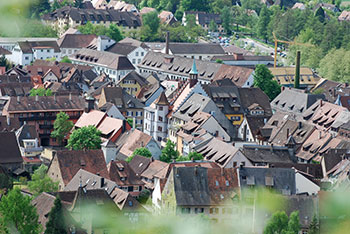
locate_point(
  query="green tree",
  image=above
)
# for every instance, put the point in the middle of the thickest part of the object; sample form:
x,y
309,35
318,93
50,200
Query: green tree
x,y
281,224
264,20
218,5
319,14
226,17
314,226
213,27
41,182
85,138
5,63
65,59
144,195
169,153
78,3
195,5
195,156
293,223
40,92
152,21
39,7
255,5
114,32
61,126
56,223
5,181
263,79
335,65
178,14
18,214
143,151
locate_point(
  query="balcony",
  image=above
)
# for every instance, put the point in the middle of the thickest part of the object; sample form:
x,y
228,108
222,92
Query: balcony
x,y
45,126
48,117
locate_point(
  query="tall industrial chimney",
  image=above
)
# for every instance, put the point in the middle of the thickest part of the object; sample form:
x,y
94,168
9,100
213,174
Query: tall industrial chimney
x,y
297,71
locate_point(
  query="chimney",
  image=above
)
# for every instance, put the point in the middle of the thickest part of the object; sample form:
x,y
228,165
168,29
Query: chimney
x,y
8,120
238,56
300,124
89,104
18,100
307,170
297,71
167,39
124,126
36,98
70,96
319,135
287,133
321,102
271,147
102,182
134,123
54,98
222,171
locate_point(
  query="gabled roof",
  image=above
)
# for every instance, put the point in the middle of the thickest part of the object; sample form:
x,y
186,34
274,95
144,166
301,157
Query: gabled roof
x,y
75,40
196,48
285,76
132,140
121,48
133,42
108,59
71,161
4,51
267,154
9,149
121,173
134,76
162,100
27,47
121,98
139,164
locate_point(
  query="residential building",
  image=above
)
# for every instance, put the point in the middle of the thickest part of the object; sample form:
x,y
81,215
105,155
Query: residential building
x,y
156,118
28,140
71,43
167,17
149,93
134,53
111,128
199,51
9,43
344,16
24,53
203,19
126,179
132,83
13,86
128,105
172,67
10,156
285,76
114,65
134,139
223,154
41,112
202,191
72,17
332,89
66,163
294,101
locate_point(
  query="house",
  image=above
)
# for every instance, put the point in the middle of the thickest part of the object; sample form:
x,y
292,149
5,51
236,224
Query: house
x,y
294,101
126,179
167,17
331,7
134,53
344,16
134,139
114,65
332,89
281,180
201,191
331,159
250,127
122,6
156,120
132,83
299,5
41,112
13,86
8,124
203,19
149,171
71,17
173,67
194,104
285,77
146,10
149,93
239,59
112,111
111,128
262,155
10,156
71,43
199,51
24,53
224,154
9,43
128,105
66,163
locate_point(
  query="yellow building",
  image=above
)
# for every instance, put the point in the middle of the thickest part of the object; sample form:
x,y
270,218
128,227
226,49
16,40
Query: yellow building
x,y
236,119
132,83
285,76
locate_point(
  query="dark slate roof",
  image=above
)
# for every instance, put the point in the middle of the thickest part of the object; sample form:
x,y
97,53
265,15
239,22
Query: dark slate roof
x,y
267,154
108,59
127,19
283,179
196,48
331,89
9,150
199,186
333,156
121,169
4,51
71,161
134,76
121,48
162,100
205,18
27,132
45,103
27,47
10,124
243,58
133,42
295,100
139,164
312,169
249,96
75,40
121,99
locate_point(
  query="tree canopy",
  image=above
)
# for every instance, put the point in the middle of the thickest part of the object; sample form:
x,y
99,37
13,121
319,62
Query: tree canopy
x,y
40,92
18,214
85,138
61,126
112,31
56,223
280,223
41,182
169,153
263,79
143,151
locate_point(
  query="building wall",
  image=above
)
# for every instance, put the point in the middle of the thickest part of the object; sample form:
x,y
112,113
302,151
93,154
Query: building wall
x,y
247,62
109,153
240,134
54,173
137,55
236,119
213,127
154,148
50,77
68,51
130,86
304,185
237,160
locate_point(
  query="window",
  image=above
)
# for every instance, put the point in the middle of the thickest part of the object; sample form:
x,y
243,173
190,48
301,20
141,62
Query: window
x,y
214,210
142,53
227,183
160,108
185,210
26,58
130,188
216,183
159,139
160,118
160,129
137,54
48,50
133,61
198,210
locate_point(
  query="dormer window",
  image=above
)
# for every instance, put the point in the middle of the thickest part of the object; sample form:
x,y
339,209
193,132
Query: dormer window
x,y
123,178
